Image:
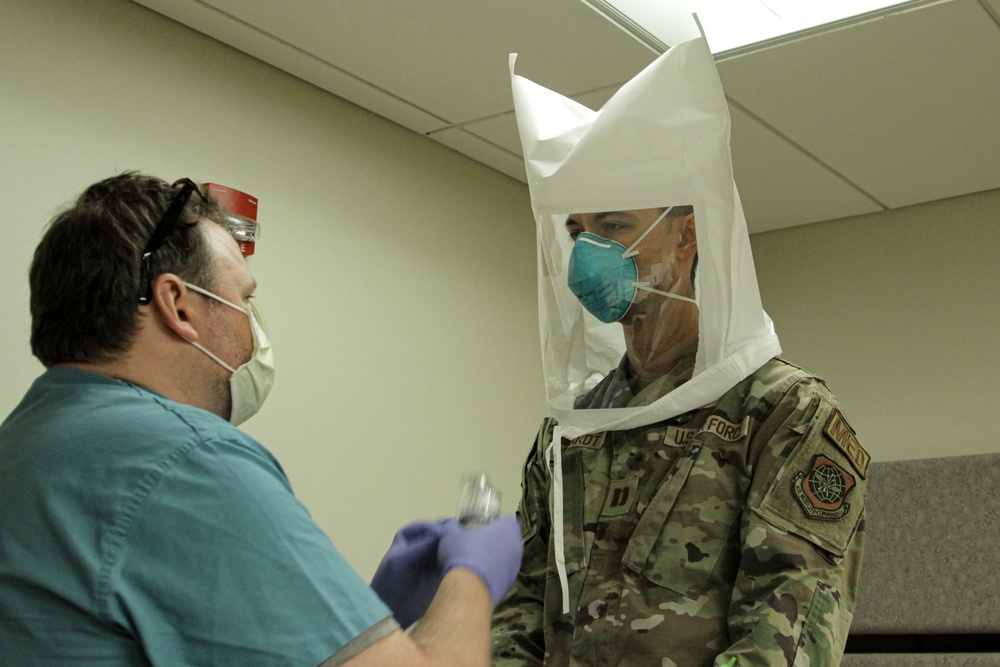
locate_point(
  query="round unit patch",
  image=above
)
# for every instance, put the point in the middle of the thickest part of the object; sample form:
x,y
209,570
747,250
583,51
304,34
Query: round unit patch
x,y
823,489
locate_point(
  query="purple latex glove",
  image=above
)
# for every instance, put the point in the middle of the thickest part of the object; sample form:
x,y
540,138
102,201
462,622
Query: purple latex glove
x,y
408,576
493,551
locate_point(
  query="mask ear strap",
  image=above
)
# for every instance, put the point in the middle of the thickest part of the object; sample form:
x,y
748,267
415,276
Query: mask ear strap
x,y
632,252
211,295
213,356
645,287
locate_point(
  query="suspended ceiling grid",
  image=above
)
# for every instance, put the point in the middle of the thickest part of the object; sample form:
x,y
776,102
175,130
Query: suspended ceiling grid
x,y
893,110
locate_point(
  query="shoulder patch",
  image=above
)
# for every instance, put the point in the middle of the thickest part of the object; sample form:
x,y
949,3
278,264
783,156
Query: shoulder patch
x,y
823,489
842,435
818,493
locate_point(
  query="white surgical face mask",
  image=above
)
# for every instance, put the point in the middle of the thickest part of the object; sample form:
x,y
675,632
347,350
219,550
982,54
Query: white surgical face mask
x,y
250,383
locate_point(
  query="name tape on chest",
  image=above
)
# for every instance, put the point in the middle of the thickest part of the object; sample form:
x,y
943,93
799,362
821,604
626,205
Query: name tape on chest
x,y
589,441
842,435
725,429
675,436
678,437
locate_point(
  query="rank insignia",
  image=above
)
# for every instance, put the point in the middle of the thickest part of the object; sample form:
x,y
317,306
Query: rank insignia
x,y
822,491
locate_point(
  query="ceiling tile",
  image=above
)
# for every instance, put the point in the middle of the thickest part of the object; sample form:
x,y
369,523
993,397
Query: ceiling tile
x,y
346,86
449,57
500,130
780,186
482,151
904,106
286,56
598,98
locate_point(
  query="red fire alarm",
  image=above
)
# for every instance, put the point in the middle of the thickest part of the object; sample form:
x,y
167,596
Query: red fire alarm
x,y
242,221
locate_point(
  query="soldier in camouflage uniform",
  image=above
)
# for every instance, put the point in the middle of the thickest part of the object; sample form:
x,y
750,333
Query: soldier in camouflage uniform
x,y
707,505
732,531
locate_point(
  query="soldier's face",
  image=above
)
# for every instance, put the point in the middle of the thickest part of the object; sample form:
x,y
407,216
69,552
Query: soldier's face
x,y
661,254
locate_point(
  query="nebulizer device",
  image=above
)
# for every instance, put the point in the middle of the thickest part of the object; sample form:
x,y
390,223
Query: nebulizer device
x,y
479,502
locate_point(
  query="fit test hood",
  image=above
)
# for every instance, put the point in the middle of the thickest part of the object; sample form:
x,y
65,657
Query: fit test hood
x,y
662,140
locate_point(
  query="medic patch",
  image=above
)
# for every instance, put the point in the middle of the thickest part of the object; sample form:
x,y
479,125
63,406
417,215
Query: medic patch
x,y
838,430
822,490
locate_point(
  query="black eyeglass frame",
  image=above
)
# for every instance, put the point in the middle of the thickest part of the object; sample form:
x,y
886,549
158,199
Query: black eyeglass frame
x,y
164,228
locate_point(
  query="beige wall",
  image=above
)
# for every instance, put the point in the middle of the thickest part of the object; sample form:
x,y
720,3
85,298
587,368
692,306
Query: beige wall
x,y
899,312
398,278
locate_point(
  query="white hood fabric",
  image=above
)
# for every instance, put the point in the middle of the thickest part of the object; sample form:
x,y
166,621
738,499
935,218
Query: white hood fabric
x,y
662,140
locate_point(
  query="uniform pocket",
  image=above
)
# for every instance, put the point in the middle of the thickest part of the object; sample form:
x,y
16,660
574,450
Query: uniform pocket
x,y
824,633
690,523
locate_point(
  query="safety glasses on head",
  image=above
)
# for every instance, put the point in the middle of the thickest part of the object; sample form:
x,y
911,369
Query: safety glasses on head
x,y
164,228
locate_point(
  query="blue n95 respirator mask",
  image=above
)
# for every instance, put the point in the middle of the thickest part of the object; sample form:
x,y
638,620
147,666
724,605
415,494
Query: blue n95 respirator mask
x,y
603,274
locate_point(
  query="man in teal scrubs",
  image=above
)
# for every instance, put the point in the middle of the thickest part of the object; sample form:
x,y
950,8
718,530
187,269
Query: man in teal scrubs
x,y
138,526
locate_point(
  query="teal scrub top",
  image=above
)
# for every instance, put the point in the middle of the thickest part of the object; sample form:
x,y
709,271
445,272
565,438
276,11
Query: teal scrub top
x,y
135,530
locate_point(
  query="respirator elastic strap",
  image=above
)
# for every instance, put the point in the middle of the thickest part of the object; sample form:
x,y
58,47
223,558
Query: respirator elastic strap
x,y
646,288
632,252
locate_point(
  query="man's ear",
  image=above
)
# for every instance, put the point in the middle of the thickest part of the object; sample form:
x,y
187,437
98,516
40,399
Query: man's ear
x,y
687,244
176,305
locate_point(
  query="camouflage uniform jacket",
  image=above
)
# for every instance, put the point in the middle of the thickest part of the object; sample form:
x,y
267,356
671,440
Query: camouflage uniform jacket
x,y
732,530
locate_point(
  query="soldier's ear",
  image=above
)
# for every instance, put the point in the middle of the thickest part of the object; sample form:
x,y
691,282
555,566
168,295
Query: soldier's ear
x,y
687,245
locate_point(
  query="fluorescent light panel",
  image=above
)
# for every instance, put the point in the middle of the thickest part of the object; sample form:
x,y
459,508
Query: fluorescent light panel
x,y
731,24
